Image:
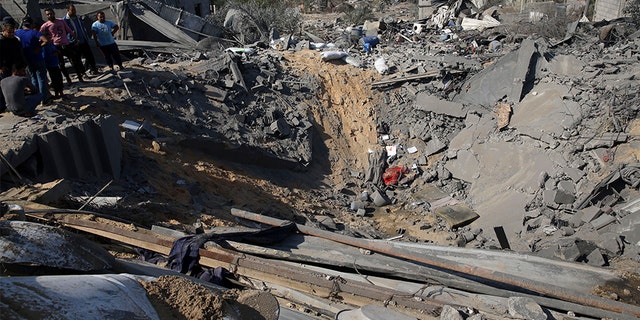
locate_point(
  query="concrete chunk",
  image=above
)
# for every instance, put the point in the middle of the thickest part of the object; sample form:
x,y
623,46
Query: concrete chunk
x,y
280,128
427,102
380,199
590,213
450,313
562,197
602,221
595,258
525,308
570,252
611,243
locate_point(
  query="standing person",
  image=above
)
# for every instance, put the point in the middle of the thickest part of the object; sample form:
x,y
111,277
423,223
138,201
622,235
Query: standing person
x,y
32,41
103,31
10,50
50,54
10,54
60,33
84,50
13,90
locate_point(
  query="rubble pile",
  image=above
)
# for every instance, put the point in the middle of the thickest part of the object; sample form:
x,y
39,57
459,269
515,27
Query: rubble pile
x,y
462,127
233,104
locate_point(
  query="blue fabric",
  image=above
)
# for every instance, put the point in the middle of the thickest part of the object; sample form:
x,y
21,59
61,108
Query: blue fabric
x,y
38,74
50,56
30,41
77,25
103,31
31,102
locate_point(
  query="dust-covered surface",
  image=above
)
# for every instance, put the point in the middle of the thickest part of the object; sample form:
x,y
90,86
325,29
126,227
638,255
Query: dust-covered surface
x,y
179,298
520,131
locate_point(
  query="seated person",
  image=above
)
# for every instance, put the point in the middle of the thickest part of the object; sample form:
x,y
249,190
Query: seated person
x,y
15,89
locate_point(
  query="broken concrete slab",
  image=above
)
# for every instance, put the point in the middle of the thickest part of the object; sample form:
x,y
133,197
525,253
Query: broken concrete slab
x,y
602,221
567,65
595,258
456,215
465,166
546,111
435,145
590,213
505,78
427,102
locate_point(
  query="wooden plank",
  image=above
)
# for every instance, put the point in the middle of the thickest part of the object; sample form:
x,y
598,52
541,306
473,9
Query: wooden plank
x,y
285,274
540,285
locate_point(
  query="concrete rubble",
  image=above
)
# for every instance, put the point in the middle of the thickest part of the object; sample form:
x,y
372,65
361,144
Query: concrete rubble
x,y
495,137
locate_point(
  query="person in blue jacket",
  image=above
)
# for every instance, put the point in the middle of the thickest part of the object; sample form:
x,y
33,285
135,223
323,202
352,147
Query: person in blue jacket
x,y
77,24
32,41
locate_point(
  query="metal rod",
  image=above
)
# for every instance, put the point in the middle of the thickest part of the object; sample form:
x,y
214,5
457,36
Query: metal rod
x,y
12,169
95,195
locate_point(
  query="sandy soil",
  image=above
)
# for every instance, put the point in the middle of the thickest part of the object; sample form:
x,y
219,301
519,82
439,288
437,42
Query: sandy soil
x,y
179,298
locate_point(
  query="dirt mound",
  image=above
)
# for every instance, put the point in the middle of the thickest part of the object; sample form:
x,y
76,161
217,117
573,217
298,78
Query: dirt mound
x,y
179,298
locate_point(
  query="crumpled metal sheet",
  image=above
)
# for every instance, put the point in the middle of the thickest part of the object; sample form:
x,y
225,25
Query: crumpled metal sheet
x,y
33,244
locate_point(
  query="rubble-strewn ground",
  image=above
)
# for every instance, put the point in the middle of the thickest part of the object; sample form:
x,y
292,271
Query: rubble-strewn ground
x,y
203,160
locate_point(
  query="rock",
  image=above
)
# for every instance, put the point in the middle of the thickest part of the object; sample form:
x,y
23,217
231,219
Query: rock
x,y
595,258
525,308
380,199
450,313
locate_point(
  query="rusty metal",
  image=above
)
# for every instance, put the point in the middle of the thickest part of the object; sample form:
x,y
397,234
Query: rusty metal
x,y
546,289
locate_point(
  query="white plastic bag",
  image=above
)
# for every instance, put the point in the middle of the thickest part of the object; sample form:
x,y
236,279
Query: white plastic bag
x,y
381,65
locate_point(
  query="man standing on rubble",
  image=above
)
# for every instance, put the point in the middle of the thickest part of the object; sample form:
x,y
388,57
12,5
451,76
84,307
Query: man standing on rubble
x,y
10,54
103,31
32,41
84,50
60,33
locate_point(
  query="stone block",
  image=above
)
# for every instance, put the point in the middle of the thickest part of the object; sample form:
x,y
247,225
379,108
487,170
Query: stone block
x,y
590,213
602,221
380,199
562,197
595,258
525,308
570,252
280,128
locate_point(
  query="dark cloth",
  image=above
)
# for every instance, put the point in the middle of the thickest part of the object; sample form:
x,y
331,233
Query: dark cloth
x,y
217,275
150,256
78,26
57,82
184,255
85,52
71,52
111,53
50,55
10,55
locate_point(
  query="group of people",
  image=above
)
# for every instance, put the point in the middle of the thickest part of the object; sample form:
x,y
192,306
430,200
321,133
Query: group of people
x,y
40,52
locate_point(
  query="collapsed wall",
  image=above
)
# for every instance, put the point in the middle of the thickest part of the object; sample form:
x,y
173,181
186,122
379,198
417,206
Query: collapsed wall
x,y
52,146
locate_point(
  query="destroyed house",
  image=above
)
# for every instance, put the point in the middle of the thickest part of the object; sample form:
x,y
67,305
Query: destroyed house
x,y
197,7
